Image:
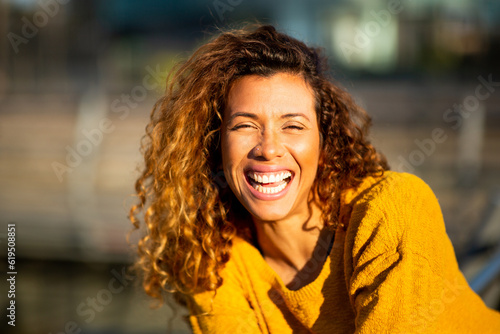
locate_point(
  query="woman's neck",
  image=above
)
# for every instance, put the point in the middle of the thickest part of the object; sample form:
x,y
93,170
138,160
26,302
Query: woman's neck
x,y
289,245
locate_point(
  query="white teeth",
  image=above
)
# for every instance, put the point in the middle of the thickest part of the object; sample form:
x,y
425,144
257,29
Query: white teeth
x,y
261,179
270,190
270,178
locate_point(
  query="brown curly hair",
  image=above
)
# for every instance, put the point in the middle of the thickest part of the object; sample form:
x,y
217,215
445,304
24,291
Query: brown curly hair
x,y
190,214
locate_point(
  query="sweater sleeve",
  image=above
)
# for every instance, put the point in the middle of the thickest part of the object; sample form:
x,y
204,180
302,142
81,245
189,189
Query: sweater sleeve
x,y
227,310
402,273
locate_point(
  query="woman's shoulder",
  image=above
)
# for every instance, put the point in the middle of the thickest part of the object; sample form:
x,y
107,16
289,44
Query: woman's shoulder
x,y
235,275
388,186
245,261
393,209
392,194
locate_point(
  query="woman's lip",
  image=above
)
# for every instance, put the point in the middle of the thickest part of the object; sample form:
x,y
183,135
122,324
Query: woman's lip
x,y
267,197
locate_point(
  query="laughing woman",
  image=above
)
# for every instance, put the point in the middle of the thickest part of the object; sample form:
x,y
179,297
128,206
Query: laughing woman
x,y
268,211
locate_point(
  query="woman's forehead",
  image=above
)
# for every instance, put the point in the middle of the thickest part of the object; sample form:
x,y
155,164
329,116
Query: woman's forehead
x,y
282,93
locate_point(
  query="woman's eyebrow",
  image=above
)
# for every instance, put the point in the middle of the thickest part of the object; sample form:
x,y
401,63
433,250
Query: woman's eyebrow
x,y
254,116
241,114
291,115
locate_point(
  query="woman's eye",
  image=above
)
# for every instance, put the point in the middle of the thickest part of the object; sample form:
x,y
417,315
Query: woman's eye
x,y
242,126
294,127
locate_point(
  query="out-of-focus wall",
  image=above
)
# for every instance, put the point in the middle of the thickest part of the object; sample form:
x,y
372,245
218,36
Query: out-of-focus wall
x,y
78,80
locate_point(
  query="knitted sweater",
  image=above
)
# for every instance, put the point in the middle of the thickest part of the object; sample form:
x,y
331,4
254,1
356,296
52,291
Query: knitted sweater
x,y
392,270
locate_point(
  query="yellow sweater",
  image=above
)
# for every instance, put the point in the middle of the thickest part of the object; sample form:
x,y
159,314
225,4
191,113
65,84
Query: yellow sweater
x,y
393,270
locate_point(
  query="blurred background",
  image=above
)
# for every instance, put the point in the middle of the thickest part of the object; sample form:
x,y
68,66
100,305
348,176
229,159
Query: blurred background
x,y
78,80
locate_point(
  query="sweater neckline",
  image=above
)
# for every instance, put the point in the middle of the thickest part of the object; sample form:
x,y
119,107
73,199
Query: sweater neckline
x,y
268,274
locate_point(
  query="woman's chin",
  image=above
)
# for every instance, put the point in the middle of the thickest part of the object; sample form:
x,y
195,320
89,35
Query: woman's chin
x,y
269,214
268,218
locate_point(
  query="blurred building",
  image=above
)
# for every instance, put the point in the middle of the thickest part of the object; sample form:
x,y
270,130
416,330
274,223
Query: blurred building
x,y
78,80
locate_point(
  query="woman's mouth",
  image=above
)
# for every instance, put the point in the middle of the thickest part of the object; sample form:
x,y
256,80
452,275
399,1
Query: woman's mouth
x,y
269,183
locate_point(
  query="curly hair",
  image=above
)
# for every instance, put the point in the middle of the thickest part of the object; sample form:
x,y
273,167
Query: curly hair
x,y
189,213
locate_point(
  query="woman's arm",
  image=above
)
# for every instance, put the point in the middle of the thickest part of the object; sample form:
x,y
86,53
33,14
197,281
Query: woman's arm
x,y
403,275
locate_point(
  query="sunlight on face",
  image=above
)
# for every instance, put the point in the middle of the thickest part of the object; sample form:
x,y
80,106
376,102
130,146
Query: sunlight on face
x,y
271,145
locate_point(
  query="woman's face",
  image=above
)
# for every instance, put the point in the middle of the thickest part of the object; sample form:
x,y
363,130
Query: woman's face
x,y
271,145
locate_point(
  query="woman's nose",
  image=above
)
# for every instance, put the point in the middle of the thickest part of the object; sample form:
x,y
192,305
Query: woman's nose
x,y
270,146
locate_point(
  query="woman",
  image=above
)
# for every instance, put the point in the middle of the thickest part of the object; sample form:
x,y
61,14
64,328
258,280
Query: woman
x,y
268,211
